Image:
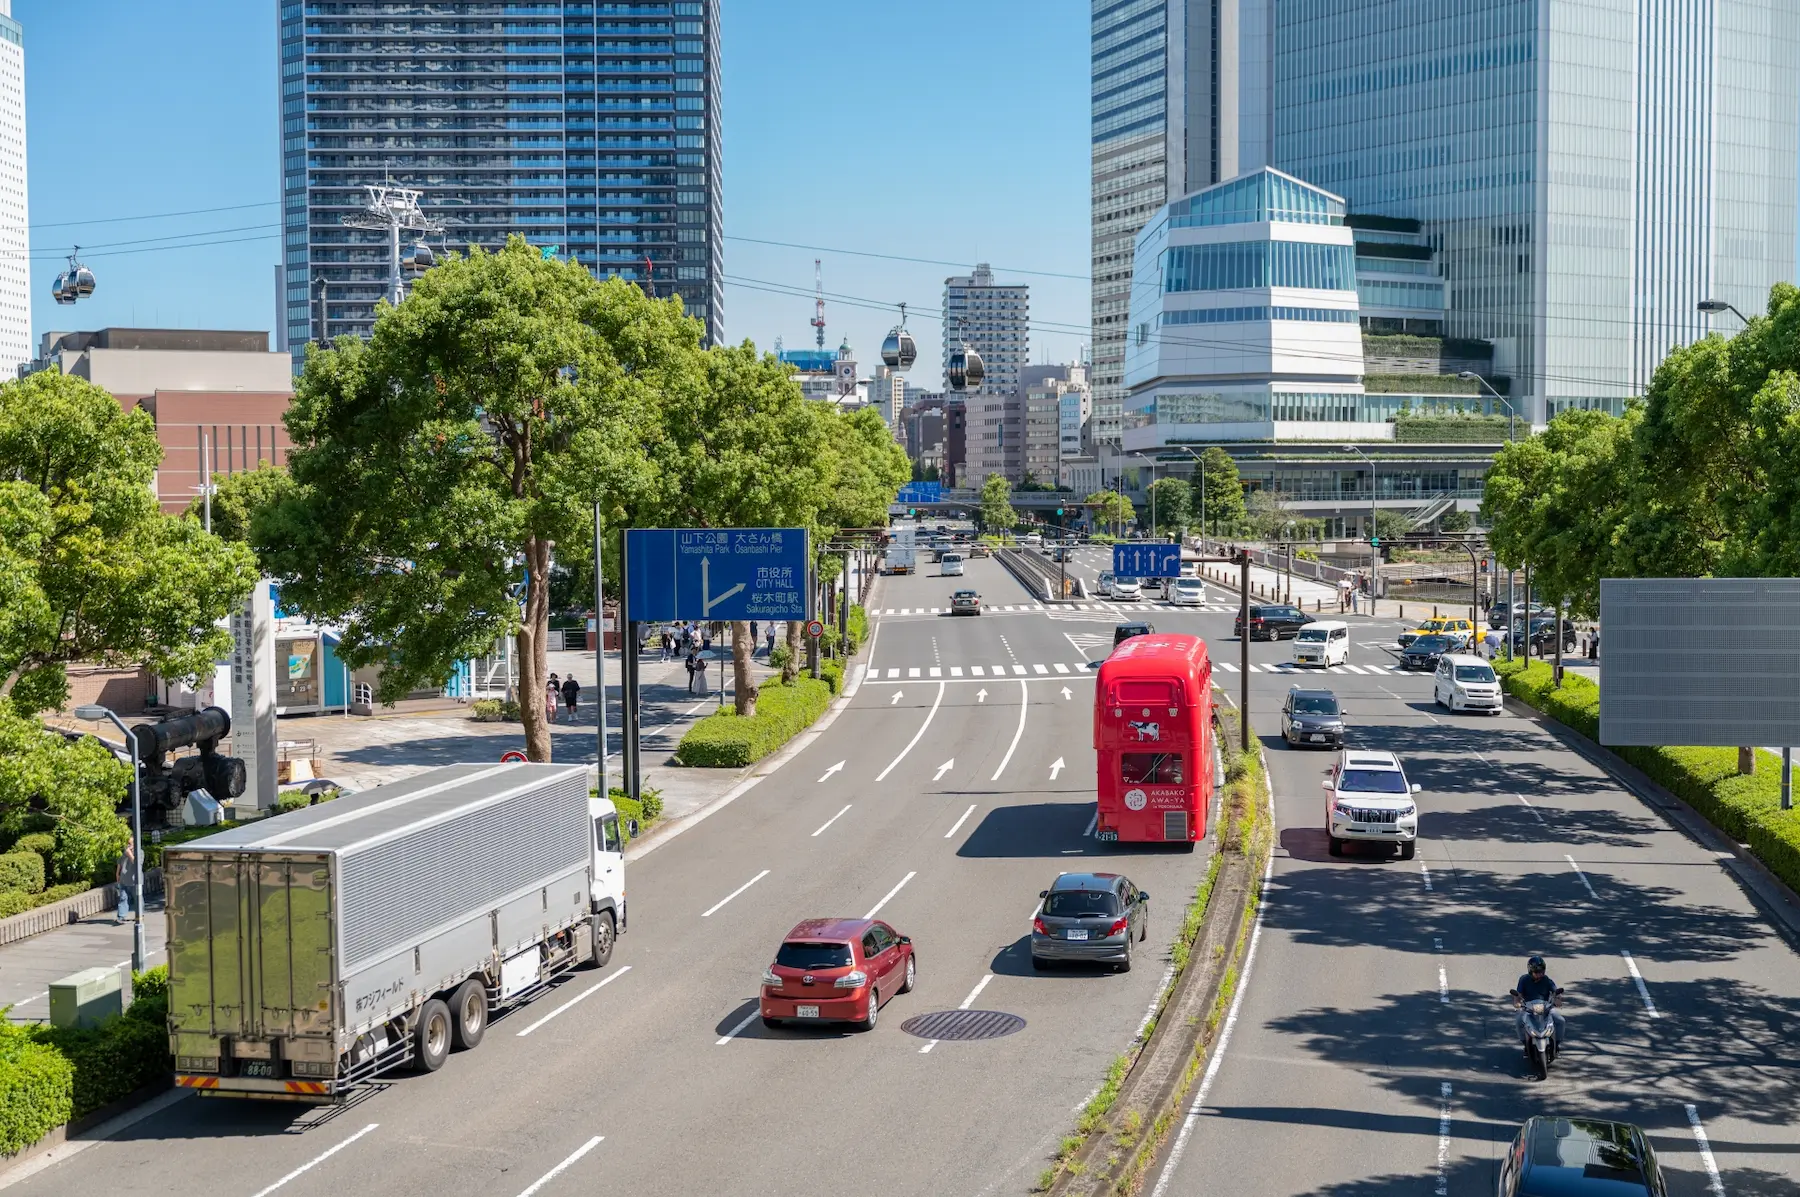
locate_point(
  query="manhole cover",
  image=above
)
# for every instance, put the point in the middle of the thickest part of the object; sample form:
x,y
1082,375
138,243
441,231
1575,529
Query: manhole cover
x,y
963,1024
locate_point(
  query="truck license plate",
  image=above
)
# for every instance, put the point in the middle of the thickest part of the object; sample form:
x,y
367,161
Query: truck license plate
x,y
1077,934
261,1068
806,1012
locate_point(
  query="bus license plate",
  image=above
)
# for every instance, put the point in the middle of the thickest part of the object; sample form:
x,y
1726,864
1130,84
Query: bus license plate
x,y
261,1068
1077,934
806,1012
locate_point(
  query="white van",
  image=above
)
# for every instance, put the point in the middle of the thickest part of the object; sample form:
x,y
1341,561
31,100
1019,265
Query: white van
x,y
952,565
1466,683
1322,642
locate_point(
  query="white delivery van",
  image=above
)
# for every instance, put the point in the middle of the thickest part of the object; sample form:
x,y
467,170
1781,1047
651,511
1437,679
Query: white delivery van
x,y
952,564
1323,642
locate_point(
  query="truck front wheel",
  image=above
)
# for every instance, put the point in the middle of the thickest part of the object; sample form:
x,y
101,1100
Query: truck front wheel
x,y
469,1011
431,1037
604,933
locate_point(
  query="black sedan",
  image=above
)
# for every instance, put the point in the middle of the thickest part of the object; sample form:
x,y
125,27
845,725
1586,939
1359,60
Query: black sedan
x,y
1424,652
1272,621
1312,717
1126,631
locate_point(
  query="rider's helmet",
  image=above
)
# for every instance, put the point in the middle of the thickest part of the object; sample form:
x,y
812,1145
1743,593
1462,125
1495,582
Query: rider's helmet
x,y
1535,964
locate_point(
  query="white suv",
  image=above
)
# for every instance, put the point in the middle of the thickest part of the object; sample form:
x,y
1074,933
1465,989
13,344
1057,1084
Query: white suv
x,y
1466,683
1368,798
1126,590
1185,592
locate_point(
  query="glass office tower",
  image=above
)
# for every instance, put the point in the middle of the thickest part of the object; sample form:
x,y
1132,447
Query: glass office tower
x,y
1588,170
591,129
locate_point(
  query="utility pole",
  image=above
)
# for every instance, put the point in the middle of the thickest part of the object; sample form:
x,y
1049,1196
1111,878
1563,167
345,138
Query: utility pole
x,y
599,664
1244,649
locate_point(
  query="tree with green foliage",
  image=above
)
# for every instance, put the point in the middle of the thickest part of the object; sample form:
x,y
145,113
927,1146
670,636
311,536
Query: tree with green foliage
x,y
1111,510
72,787
238,497
997,512
1224,489
1171,504
438,464
91,569
1456,520
1391,525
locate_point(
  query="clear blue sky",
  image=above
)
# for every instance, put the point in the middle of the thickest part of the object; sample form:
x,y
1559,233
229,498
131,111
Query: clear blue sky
x,y
930,129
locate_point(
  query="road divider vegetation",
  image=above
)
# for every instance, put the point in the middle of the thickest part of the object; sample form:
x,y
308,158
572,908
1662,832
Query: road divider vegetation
x,y
727,740
1745,807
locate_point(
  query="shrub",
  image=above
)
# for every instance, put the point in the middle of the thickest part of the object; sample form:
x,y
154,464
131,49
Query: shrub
x,y
22,870
299,800
779,656
728,741
646,812
494,710
36,1086
832,674
41,842
122,1055
17,901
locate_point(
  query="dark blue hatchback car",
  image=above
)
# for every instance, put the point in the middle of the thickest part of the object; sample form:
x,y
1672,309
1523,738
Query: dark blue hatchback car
x,y
1580,1157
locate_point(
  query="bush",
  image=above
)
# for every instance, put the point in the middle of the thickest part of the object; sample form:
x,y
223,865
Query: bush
x,y
122,1055
41,842
832,674
16,901
494,710
22,870
1748,809
780,655
728,741
646,812
291,800
36,1087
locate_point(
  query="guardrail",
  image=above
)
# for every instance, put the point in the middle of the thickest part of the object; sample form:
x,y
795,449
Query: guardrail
x,y
1033,573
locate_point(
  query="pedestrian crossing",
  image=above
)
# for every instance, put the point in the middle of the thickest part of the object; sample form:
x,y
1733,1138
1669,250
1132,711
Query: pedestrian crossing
x,y
1294,668
1063,608
895,673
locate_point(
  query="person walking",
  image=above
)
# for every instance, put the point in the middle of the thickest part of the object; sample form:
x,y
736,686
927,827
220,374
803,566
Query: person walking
x,y
1594,646
552,695
125,873
691,662
753,633
571,693
771,635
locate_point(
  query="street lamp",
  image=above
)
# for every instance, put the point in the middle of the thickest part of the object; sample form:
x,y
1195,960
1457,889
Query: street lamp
x,y
1374,538
1512,426
1714,306
95,713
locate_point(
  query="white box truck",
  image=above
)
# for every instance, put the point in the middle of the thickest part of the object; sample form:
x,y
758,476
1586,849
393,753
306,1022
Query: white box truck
x,y
901,556
312,951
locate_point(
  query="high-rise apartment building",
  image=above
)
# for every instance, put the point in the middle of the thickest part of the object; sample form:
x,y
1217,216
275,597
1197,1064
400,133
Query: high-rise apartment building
x,y
592,130
15,216
1168,96
1049,394
994,320
1584,172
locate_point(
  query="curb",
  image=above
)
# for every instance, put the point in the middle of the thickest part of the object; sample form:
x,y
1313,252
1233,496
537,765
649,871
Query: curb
x,y
73,1137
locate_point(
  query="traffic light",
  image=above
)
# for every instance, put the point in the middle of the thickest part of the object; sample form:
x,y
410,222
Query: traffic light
x,y
1059,511
1375,542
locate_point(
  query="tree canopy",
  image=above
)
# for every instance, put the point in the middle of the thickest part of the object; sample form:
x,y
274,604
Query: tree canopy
x,y
1171,503
996,504
1224,489
1110,509
238,497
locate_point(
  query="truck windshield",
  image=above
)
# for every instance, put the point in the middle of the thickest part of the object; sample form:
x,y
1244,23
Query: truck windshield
x,y
813,955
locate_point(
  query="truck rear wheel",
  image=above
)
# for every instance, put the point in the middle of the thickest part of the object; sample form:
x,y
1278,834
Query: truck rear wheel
x,y
431,1037
469,1013
603,934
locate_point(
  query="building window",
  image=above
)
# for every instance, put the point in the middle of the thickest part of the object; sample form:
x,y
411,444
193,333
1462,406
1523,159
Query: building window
x,y
1238,265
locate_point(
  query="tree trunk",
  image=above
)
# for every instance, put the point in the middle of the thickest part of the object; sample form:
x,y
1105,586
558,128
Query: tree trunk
x,y
534,661
744,696
791,670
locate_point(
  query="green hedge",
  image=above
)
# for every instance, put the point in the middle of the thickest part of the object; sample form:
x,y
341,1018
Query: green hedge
x,y
22,871
37,1085
726,741
647,812
1748,809
41,842
17,901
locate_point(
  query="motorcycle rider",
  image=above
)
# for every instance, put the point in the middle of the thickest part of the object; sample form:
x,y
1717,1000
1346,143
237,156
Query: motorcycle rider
x,y
1535,986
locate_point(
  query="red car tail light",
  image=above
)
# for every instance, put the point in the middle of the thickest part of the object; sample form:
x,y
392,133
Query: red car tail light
x,y
1121,925
1037,924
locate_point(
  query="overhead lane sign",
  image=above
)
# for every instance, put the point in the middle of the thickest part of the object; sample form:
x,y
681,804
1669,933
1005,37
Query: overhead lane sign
x,y
716,573
1151,559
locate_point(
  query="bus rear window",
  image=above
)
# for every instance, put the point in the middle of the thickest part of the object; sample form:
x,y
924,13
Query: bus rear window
x,y
1151,768
1155,693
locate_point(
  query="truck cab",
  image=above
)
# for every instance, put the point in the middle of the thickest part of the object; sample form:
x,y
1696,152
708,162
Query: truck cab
x,y
606,890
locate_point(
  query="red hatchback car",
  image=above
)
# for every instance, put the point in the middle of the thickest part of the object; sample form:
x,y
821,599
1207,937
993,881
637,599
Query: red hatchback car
x,y
837,970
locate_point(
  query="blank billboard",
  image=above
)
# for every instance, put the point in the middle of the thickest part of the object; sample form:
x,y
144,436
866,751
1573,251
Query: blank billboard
x,y
1709,661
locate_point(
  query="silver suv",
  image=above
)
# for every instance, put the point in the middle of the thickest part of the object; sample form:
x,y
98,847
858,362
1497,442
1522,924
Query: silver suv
x,y
1367,798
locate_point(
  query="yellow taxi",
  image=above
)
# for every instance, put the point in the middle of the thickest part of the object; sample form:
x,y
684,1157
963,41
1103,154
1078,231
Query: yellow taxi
x,y
1459,630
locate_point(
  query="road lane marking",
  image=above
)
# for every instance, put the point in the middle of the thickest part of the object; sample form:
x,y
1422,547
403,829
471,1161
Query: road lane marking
x,y
318,1159
708,913
896,698
960,822
1534,810
956,671
917,736
1024,705
1039,669
551,1175
1585,883
1019,669
829,822
1638,980
943,769
1093,822
1425,872
1443,1156
834,769
966,1002
890,896
1062,669
1443,986
1056,766
936,672
734,1032
1713,1183
977,671
913,672
583,996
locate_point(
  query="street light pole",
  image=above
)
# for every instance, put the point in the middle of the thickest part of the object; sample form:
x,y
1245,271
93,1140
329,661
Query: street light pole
x,y
94,713
1512,423
1374,547
1713,306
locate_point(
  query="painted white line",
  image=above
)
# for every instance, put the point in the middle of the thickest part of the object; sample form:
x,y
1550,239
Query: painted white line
x,y
958,824
918,735
1638,980
583,996
1534,810
830,821
1713,1183
551,1175
1218,1056
1093,822
936,672
1155,1000
1062,669
1443,1156
976,992
1040,669
318,1159
1443,986
708,912
977,671
1425,873
956,671
913,672
734,1032
1228,667
890,896
1024,701
1585,883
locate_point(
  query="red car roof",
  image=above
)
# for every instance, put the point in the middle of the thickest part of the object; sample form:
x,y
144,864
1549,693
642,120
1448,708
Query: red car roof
x,y
830,929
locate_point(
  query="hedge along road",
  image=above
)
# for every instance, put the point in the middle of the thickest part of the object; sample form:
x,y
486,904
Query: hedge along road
x,y
650,1063
1374,1047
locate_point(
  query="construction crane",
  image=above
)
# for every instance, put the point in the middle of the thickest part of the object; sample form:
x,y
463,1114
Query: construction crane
x,y
818,320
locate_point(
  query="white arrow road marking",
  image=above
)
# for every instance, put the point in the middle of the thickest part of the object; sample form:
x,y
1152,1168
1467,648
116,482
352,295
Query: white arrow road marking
x,y
1056,767
1066,694
832,820
943,769
981,695
1024,705
890,895
319,1159
896,697
551,1175
834,769
917,736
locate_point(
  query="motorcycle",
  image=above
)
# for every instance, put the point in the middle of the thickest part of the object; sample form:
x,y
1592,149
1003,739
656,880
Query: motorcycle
x,y
1537,1031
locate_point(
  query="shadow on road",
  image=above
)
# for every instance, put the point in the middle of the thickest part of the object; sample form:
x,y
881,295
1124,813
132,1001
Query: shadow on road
x,y
1049,830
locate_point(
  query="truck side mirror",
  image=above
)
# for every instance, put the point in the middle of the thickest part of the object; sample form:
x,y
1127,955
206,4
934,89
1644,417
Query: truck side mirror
x,y
631,829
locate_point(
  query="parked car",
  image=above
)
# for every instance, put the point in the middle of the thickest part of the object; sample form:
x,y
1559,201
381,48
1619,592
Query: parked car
x,y
1580,1157
1312,717
1126,631
1501,614
1272,621
965,602
1461,631
1425,652
1466,683
1126,590
1089,918
837,970
1185,592
1368,798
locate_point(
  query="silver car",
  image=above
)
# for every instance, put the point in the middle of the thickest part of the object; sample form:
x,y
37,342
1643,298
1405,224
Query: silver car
x,y
1090,918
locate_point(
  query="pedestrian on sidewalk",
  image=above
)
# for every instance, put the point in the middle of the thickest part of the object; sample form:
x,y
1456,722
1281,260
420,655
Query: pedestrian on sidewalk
x,y
125,873
691,662
753,635
1594,646
771,634
552,695
571,692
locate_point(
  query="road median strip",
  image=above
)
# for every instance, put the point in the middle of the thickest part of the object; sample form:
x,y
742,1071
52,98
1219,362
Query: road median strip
x,y
1124,1128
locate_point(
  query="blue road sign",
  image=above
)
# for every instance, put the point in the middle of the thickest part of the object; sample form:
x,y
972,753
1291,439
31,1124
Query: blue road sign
x,y
1151,559
716,573
921,492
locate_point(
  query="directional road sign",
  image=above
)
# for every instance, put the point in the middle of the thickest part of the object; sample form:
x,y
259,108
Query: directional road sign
x,y
716,573
1147,559
920,492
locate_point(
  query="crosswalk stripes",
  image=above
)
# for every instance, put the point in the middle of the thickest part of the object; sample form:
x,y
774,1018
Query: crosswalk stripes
x,y
894,673
1062,609
1292,669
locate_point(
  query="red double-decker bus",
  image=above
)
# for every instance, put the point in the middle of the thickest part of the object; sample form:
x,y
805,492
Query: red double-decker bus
x,y
1153,739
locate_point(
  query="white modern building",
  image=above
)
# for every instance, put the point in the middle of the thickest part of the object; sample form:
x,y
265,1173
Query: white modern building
x,y
15,216
993,319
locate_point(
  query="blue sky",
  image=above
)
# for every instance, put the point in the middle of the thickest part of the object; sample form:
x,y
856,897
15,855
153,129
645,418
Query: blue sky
x,y
927,129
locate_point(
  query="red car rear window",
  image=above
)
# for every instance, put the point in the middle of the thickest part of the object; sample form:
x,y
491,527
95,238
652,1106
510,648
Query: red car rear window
x,y
814,955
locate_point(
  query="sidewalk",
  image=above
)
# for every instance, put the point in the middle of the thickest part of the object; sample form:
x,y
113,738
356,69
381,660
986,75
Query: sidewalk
x,y
28,967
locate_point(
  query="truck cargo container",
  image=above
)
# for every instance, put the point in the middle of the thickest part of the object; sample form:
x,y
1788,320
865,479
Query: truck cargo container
x,y
312,951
